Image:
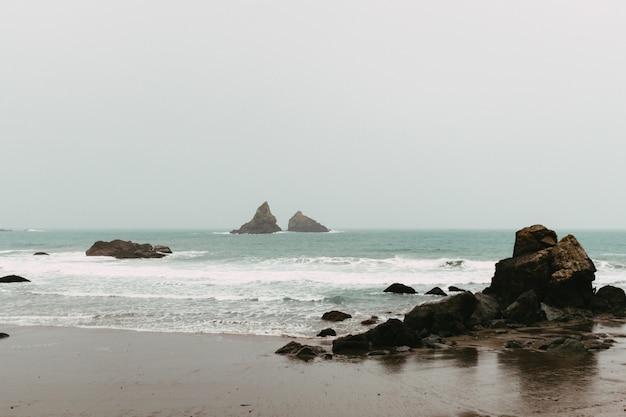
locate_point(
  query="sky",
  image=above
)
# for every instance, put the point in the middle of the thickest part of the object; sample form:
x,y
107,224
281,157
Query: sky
x,y
361,114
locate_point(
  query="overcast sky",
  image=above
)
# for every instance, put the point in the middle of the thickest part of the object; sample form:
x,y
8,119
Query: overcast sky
x,y
362,114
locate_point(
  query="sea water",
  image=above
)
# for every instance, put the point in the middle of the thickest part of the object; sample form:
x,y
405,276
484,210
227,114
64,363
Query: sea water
x,y
277,284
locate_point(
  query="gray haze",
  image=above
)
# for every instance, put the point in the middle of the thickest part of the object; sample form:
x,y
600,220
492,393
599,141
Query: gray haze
x,y
362,114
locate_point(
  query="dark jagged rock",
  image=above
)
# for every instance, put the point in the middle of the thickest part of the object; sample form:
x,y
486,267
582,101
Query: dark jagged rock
x,y
327,332
301,223
3,335
121,249
262,222
13,278
560,274
448,316
525,310
437,291
533,239
398,288
335,316
452,288
40,253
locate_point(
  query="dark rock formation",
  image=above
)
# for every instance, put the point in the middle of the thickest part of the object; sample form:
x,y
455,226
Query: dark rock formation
x,y
335,316
3,335
560,274
525,310
437,291
448,316
40,253
614,298
452,288
262,222
301,223
390,334
13,278
121,249
327,332
398,288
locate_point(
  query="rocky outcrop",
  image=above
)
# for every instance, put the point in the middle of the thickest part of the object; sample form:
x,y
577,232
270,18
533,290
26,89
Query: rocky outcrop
x,y
398,288
13,278
560,273
262,222
613,299
121,249
300,351
301,223
3,335
40,253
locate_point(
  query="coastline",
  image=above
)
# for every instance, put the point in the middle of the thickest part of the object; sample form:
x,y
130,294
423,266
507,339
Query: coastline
x,y
59,371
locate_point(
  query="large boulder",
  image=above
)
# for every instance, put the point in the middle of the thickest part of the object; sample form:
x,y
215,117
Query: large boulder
x,y
614,299
561,274
449,316
301,223
13,278
262,222
122,249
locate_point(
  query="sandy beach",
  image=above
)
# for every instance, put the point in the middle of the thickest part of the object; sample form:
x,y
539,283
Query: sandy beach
x,y
49,371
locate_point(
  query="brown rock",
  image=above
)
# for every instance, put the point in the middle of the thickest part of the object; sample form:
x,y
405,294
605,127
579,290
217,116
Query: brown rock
x,y
262,222
533,239
301,223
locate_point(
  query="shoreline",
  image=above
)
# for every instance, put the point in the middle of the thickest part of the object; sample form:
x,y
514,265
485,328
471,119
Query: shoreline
x,y
64,371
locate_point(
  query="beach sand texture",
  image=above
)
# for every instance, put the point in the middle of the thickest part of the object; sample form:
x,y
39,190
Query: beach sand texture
x,y
55,372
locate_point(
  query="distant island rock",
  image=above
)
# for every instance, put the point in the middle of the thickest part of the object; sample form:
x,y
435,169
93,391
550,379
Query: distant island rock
x,y
262,222
121,249
301,223
5,230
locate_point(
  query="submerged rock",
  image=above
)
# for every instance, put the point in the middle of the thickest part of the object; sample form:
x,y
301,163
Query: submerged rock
x,y
121,249
301,223
398,288
13,278
262,222
336,316
437,291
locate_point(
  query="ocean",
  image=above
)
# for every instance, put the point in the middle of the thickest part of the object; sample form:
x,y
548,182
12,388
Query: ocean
x,y
278,284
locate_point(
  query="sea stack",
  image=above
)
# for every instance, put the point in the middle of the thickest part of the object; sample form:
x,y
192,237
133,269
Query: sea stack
x,y
262,222
301,223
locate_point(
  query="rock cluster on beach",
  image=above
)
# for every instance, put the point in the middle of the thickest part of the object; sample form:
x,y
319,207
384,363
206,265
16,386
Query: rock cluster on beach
x,y
265,222
542,296
121,249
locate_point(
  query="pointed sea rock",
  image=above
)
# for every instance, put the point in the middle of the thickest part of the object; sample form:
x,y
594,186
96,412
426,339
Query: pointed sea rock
x,y
262,222
301,223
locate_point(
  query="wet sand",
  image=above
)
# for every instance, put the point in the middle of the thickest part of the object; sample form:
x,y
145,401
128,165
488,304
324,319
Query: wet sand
x,y
72,372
